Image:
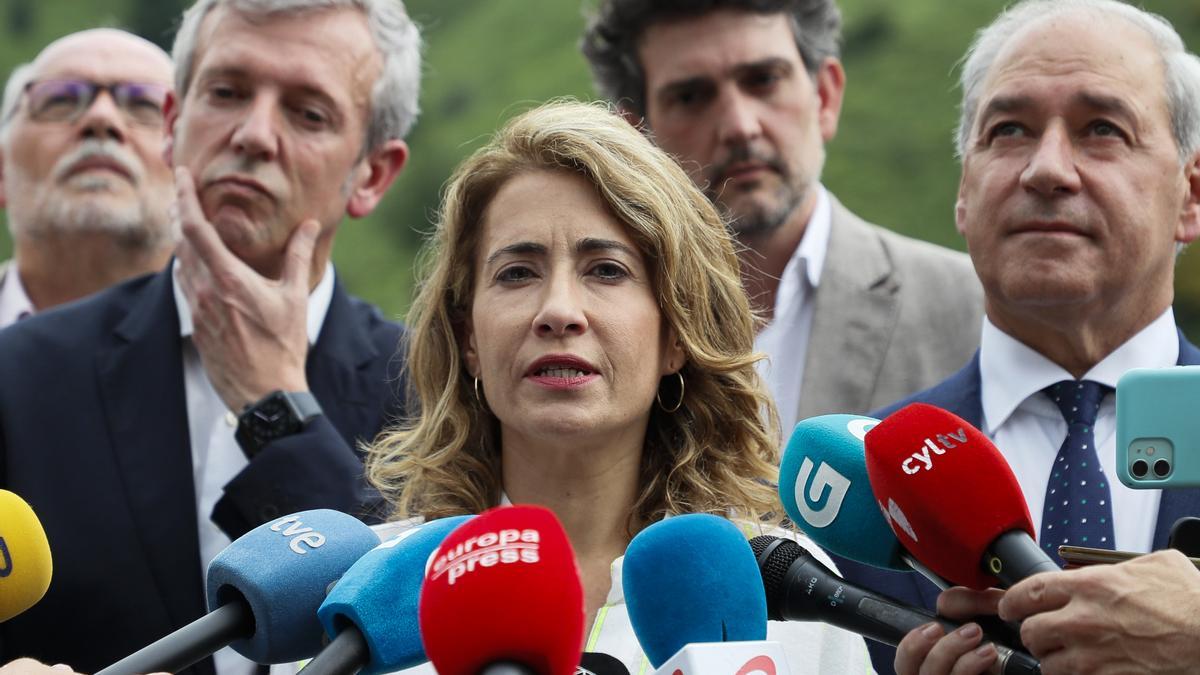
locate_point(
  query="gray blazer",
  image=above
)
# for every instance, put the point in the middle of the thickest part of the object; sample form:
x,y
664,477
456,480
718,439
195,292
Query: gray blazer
x,y
892,316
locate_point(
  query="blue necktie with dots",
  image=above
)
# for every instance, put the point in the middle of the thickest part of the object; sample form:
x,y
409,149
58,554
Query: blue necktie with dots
x,y
1078,507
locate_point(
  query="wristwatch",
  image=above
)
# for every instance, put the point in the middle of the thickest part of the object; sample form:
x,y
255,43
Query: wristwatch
x,y
274,416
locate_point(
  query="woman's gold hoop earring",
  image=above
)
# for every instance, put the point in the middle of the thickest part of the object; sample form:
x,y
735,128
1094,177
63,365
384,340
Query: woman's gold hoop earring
x,y
478,397
679,403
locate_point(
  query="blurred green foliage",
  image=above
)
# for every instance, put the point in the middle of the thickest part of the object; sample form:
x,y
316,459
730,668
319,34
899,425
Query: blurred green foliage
x,y
486,60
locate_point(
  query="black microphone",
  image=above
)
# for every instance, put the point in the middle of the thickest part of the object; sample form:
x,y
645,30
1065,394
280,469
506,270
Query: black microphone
x,y
599,663
1185,536
799,588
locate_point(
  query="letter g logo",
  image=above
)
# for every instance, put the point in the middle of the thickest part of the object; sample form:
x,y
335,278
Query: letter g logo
x,y
826,486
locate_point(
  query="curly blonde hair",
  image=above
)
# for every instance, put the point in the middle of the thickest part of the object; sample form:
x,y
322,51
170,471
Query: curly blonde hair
x,y
717,453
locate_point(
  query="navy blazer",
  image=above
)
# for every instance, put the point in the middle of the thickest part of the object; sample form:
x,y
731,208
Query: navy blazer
x,y
960,394
94,435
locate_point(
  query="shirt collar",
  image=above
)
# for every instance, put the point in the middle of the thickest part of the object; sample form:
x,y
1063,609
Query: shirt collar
x,y
318,303
808,259
1011,371
14,301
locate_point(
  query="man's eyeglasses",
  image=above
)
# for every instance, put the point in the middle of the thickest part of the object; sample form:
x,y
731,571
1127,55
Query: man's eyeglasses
x,y
66,100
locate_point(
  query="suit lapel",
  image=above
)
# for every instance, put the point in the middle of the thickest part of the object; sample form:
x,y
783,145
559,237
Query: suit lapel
x,y
140,377
1177,503
853,315
335,370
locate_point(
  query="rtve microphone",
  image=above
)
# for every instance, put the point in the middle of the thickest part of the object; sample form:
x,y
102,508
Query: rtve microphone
x,y
692,579
371,614
25,565
952,500
263,594
799,588
502,594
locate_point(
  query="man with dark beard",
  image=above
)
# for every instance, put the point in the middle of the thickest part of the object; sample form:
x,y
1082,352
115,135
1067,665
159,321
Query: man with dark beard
x,y
84,182
745,94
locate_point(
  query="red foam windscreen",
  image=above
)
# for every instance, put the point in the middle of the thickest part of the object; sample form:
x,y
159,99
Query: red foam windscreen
x,y
504,586
945,489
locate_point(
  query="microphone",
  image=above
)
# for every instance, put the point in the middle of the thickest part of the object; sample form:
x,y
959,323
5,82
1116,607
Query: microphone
x,y
951,499
25,564
502,594
263,594
825,490
371,614
692,579
599,663
799,588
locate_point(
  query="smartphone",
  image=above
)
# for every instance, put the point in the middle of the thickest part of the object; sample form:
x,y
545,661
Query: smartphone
x,y
1158,427
1081,556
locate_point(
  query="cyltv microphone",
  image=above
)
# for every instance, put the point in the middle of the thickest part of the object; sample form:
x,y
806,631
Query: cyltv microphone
x,y
25,564
502,594
799,588
951,499
370,615
263,593
692,579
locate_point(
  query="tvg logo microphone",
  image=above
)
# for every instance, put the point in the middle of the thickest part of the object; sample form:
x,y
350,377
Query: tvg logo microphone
x,y
827,486
7,568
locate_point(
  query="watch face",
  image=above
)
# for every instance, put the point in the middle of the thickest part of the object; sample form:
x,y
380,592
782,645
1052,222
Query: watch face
x,y
271,417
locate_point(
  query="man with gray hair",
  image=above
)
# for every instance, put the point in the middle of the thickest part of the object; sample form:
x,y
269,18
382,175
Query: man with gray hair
x,y
153,423
745,94
1080,148
82,176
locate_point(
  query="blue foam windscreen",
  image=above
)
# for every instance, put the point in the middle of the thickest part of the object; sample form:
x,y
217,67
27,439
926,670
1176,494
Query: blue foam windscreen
x,y
282,569
824,488
692,578
379,594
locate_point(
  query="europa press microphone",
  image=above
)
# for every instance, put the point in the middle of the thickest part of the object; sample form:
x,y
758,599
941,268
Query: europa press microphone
x,y
951,499
695,597
25,566
263,594
370,615
824,488
502,595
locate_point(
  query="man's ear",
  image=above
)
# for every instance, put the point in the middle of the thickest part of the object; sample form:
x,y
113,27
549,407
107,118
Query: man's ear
x,y
3,184
831,86
1189,215
170,116
375,175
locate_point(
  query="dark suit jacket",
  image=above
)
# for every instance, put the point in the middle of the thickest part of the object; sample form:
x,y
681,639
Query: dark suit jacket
x,y
94,435
960,394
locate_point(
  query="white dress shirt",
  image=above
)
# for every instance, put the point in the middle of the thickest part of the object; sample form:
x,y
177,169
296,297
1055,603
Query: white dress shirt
x,y
216,456
1029,429
785,339
14,301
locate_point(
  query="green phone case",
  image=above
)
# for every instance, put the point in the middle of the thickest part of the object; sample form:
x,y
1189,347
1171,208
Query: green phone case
x,y
1158,427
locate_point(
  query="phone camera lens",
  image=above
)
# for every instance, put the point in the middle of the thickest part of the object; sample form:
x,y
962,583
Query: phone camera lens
x,y
1161,468
1139,468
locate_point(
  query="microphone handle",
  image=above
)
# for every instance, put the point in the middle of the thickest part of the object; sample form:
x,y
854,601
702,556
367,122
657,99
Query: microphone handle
x,y
219,628
507,668
346,654
813,593
1014,556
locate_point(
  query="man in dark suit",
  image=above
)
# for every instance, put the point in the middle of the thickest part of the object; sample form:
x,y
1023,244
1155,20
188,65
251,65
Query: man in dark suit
x,y
745,94
119,416
1080,180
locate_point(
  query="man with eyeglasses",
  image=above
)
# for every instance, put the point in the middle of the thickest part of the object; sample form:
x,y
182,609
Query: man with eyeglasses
x,y
84,184
153,423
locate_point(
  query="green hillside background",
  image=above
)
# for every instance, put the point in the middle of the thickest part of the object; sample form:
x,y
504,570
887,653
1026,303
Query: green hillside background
x,y
486,60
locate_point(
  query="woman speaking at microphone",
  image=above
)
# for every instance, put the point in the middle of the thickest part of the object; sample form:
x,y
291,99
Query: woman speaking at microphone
x,y
581,340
